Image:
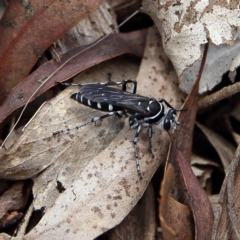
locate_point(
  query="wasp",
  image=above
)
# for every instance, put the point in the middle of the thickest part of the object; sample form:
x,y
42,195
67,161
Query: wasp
x,y
142,111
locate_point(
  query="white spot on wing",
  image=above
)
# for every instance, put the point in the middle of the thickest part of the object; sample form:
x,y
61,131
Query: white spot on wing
x,y
110,107
81,98
89,103
99,105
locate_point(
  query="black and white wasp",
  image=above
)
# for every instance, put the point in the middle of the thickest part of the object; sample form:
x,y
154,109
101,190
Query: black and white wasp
x,y
142,111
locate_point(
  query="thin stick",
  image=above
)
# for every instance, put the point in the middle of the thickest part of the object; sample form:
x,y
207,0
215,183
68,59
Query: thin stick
x,y
213,98
101,39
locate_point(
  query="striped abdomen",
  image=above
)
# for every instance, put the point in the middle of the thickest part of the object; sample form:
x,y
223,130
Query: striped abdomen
x,y
102,106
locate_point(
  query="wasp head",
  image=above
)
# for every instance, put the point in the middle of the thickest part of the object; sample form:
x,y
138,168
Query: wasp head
x,y
169,120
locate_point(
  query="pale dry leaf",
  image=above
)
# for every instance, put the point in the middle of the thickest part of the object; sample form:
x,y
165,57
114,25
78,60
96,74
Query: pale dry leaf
x,y
214,202
37,149
234,115
197,160
202,168
236,137
12,138
141,222
236,111
98,24
87,190
203,175
197,172
90,140
224,148
186,25
156,76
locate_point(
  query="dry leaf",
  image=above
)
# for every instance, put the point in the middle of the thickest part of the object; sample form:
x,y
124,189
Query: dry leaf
x,y
234,115
202,168
141,221
202,175
28,28
224,148
98,24
197,160
214,202
227,221
186,25
176,218
12,203
181,191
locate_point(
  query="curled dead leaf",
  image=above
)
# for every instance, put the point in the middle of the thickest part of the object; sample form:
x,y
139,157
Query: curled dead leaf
x,y
186,26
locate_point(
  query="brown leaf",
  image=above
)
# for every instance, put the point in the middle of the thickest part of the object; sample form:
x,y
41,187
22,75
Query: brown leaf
x,y
10,219
28,28
12,202
12,199
198,201
114,45
185,187
176,218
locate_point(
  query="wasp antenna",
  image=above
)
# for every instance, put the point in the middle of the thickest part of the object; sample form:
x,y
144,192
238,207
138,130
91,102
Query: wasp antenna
x,y
182,109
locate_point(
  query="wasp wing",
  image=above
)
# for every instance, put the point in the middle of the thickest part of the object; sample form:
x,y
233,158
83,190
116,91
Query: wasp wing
x,y
125,100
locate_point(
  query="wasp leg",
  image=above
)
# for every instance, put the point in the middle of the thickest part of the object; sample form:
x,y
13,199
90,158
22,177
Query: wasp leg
x,y
170,106
69,84
95,119
150,140
110,83
135,140
124,83
121,115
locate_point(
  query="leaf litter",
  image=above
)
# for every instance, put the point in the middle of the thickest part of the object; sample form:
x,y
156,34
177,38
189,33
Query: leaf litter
x,y
101,186
53,185
114,45
30,35
185,211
